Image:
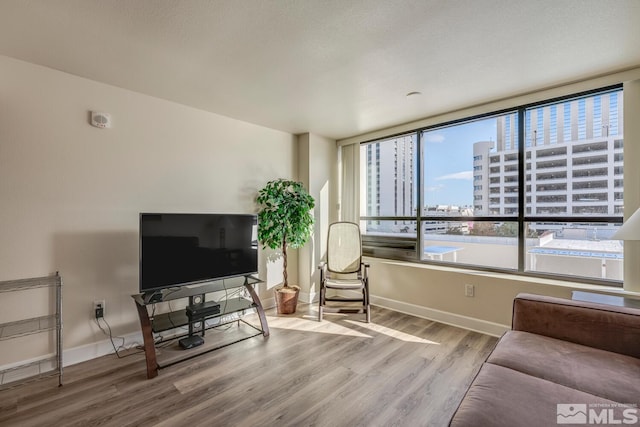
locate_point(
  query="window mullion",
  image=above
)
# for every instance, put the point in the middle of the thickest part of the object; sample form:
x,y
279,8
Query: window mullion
x,y
522,246
418,154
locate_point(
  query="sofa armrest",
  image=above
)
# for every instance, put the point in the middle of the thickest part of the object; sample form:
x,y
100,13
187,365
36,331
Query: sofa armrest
x,y
606,327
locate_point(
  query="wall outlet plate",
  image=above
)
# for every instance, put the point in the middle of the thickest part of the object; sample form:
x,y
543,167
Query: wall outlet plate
x,y
98,308
469,290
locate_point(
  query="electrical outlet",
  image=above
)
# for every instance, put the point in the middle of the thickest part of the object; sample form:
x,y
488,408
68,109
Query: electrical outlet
x,y
469,290
98,308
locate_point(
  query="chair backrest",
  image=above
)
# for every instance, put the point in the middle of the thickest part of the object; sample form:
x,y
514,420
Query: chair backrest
x,y
344,248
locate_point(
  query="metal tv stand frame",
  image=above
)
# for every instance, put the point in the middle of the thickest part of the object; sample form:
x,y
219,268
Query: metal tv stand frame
x,y
170,353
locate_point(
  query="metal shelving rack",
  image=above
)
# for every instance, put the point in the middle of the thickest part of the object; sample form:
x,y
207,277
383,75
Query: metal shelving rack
x,y
42,368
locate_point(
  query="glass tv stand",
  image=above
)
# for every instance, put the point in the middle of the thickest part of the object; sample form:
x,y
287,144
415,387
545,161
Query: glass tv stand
x,y
161,352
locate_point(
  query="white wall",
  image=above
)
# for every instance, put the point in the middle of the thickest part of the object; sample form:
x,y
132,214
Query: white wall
x,y
318,171
439,293
70,193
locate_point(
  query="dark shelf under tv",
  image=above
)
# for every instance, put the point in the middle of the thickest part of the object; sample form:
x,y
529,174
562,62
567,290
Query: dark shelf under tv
x,y
188,290
175,319
171,353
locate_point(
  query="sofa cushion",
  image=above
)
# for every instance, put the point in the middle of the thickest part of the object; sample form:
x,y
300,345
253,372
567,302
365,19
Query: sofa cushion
x,y
500,396
601,373
602,326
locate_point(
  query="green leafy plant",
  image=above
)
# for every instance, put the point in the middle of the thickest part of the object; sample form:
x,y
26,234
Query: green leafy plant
x,y
285,218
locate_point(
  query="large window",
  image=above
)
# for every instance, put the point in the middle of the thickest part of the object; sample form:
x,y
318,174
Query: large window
x,y
536,190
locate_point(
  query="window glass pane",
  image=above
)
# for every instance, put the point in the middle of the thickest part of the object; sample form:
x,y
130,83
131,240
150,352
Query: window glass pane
x,y
572,165
472,168
388,177
575,157
575,249
488,244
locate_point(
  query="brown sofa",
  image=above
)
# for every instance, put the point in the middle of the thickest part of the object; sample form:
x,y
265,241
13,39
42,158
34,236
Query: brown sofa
x,y
563,362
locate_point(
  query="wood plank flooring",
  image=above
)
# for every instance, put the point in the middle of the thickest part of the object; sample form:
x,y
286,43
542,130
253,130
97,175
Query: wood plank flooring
x,y
398,370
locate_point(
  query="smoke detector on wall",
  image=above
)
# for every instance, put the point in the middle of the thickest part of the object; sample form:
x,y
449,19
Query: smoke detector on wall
x,y
100,120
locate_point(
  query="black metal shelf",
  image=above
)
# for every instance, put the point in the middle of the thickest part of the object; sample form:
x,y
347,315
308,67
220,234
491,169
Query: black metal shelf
x,y
185,291
162,351
175,319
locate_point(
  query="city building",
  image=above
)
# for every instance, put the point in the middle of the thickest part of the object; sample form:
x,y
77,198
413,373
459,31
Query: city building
x,y
390,169
569,147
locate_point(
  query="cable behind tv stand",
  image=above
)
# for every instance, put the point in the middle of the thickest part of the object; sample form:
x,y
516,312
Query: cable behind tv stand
x,y
199,324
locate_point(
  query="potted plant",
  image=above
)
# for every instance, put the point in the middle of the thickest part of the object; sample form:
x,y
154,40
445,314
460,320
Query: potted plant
x,y
285,221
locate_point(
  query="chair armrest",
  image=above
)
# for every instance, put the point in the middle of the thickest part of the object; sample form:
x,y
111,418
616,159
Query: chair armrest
x,y
606,327
364,270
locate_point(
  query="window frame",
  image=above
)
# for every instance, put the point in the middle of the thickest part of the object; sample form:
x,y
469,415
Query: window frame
x,y
522,218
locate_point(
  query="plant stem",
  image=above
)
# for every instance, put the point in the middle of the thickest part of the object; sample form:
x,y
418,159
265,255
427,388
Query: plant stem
x,y
284,261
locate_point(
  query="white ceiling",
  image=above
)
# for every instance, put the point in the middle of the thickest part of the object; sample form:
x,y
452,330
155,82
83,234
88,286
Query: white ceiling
x,y
336,68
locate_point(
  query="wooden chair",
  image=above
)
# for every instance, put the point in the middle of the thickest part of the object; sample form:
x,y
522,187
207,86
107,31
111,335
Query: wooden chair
x,y
344,271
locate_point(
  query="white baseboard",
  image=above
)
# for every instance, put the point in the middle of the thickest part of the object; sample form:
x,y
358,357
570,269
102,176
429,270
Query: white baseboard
x,y
268,303
82,353
458,320
72,356
307,297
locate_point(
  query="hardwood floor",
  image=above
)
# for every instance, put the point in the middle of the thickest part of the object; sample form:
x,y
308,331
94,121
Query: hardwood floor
x,y
398,370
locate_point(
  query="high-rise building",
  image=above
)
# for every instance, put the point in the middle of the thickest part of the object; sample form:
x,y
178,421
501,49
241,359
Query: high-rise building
x,y
573,160
390,181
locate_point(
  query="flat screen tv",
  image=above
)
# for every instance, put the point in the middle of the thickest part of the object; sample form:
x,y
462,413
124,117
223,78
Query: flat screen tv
x,y
178,249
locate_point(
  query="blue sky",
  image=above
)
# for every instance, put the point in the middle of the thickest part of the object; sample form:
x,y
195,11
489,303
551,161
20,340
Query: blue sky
x,y
448,167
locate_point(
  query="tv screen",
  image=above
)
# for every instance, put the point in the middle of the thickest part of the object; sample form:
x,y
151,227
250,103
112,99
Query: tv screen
x,y
178,249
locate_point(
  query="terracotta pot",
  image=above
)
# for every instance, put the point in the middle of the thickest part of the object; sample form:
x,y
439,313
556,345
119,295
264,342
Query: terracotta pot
x,y
287,299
